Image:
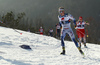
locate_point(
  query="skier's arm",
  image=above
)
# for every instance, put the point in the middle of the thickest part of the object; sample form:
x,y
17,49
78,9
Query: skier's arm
x,y
71,17
76,24
86,23
60,22
60,25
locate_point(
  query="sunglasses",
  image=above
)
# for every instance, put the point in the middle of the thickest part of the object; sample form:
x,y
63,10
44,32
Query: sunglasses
x,y
60,11
80,19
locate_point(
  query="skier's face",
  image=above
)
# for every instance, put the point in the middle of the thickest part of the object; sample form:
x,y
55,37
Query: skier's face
x,y
62,13
80,19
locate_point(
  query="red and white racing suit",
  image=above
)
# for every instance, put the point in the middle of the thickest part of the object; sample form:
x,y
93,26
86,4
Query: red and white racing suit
x,y
80,29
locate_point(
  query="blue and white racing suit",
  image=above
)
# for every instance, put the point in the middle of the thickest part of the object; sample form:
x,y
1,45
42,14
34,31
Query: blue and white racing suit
x,y
66,29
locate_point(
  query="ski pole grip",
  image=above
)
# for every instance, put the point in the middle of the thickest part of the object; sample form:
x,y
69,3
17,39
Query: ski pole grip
x,y
87,36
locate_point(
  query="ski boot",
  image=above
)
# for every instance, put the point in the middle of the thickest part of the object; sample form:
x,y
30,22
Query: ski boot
x,y
80,51
80,45
63,52
85,45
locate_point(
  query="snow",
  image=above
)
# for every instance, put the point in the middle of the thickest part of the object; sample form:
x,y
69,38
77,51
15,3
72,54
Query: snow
x,y
45,50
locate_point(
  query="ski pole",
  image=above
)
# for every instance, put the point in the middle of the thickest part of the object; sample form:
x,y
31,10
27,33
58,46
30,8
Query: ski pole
x,y
83,33
80,32
17,31
37,32
87,30
12,28
87,33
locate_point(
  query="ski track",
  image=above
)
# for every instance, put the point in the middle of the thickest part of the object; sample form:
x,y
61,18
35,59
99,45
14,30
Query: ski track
x,y
45,50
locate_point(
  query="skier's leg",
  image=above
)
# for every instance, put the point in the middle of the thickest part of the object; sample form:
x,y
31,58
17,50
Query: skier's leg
x,y
79,48
80,39
84,39
79,36
62,42
71,34
59,32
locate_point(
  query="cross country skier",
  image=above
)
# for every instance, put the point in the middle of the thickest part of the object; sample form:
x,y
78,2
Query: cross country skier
x,y
80,25
1,21
65,21
51,32
58,30
41,30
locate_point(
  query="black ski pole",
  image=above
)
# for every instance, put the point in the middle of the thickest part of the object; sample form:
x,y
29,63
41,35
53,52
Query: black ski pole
x,y
12,28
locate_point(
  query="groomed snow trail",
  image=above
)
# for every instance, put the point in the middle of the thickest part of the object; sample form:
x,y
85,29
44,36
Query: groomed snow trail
x,y
45,50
